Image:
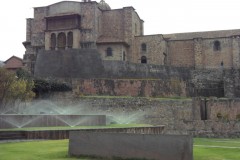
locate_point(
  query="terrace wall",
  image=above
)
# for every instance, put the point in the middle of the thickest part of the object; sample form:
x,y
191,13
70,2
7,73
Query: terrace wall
x,y
141,146
196,116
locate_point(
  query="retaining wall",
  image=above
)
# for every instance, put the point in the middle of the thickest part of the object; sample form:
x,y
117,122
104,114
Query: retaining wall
x,y
64,134
24,121
196,116
137,146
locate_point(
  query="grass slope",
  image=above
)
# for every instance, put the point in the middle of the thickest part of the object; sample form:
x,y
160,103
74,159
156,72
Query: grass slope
x,y
204,149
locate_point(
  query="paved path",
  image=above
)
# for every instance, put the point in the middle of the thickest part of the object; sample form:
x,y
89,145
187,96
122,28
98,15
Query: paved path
x,y
208,146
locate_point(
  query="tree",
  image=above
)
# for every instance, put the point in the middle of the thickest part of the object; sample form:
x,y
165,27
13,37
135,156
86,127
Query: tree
x,y
13,88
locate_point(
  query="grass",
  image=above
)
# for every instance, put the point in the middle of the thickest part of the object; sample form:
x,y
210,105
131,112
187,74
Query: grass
x,y
216,149
77,127
204,149
37,150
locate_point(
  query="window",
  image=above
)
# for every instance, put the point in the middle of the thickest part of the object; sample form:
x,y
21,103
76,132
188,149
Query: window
x,y
144,47
86,45
216,46
143,59
61,41
53,41
70,39
124,56
165,58
222,64
203,110
109,51
135,29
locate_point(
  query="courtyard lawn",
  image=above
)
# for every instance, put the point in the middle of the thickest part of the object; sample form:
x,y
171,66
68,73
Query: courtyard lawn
x,y
216,149
204,149
36,150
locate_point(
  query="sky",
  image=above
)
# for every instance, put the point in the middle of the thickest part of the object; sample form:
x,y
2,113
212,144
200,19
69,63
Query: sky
x,y
160,17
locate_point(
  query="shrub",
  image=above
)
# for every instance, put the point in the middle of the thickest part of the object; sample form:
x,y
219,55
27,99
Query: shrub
x,y
238,117
219,115
46,86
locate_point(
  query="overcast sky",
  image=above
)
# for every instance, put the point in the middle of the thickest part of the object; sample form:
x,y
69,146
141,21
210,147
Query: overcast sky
x,y
160,17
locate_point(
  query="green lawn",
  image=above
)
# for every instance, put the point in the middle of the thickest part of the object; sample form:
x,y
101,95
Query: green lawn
x,y
216,149
37,150
204,149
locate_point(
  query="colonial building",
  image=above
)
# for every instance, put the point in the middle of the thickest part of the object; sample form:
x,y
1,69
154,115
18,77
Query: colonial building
x,y
89,40
80,25
117,34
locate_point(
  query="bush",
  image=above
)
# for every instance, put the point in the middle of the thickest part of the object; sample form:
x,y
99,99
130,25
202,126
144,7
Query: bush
x,y
46,86
219,115
13,88
238,117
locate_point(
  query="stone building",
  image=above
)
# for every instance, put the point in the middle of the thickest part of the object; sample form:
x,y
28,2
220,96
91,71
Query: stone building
x,y
89,40
80,25
117,34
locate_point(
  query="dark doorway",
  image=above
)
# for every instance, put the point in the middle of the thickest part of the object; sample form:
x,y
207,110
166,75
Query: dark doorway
x,y
203,109
70,39
143,59
53,41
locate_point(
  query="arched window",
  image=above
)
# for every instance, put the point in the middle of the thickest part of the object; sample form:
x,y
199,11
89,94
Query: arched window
x,y
70,39
109,52
143,59
53,41
216,46
165,58
144,47
61,40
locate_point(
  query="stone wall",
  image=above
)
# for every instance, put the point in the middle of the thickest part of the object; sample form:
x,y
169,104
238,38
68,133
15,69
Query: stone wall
x,y
58,64
198,53
131,146
207,83
232,83
223,109
118,51
194,116
235,51
212,58
136,24
155,49
64,7
50,120
130,87
38,26
112,21
87,64
181,53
